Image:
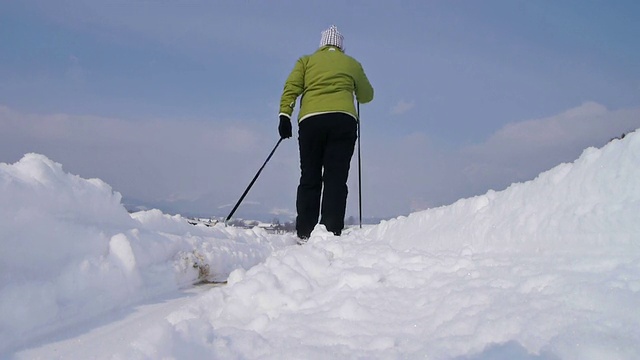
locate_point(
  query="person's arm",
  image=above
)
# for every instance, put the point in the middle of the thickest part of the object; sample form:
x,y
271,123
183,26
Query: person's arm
x,y
364,90
293,87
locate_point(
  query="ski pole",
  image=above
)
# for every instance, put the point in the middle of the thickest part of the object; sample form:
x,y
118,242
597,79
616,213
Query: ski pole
x,y
252,182
359,169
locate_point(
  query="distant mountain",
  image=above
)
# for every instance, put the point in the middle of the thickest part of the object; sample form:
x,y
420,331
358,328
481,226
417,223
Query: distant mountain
x,y
205,207
202,208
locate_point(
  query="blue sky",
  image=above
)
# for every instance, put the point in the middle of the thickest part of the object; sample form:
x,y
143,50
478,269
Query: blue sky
x,y
168,100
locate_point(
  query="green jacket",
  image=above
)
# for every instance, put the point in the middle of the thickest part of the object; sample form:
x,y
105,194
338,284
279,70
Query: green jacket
x,y
327,81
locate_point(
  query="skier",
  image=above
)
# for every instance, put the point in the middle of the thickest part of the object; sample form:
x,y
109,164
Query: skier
x,y
327,129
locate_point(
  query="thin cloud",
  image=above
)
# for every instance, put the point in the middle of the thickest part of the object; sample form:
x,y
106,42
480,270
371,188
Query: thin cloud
x,y
519,151
214,162
416,172
589,123
150,159
402,107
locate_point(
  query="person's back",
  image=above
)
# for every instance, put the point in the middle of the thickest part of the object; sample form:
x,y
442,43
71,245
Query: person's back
x,y
327,80
331,79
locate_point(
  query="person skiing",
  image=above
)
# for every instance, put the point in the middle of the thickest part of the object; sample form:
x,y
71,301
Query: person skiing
x,y
327,129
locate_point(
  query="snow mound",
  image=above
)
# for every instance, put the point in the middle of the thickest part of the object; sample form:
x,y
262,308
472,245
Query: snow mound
x,y
69,250
547,269
590,205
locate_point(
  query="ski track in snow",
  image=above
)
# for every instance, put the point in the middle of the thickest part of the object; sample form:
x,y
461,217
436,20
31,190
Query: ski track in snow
x,y
109,331
334,298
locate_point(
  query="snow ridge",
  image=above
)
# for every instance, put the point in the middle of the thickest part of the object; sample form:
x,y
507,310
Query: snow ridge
x,y
590,205
69,250
546,269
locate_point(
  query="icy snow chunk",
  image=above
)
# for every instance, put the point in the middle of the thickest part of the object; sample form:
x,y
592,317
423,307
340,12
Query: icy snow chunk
x,y
120,249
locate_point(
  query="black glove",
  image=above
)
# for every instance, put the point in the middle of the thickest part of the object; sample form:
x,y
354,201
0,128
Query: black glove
x,y
285,127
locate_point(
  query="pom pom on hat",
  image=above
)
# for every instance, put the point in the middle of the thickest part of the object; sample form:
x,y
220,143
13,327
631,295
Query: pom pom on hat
x,y
332,36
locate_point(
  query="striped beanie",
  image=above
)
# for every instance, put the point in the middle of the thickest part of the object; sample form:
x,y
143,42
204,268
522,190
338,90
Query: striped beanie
x,y
332,36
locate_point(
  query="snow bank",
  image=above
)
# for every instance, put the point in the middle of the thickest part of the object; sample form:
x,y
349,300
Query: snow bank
x,y
548,269
69,250
591,205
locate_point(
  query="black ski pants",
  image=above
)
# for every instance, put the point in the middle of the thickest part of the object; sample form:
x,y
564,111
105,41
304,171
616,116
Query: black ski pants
x,y
326,144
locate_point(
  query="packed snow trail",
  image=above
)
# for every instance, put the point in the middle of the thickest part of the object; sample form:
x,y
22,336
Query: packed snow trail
x,y
352,297
547,269
355,297
103,334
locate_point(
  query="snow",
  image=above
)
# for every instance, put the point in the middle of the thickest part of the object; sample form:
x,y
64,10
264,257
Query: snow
x,y
546,269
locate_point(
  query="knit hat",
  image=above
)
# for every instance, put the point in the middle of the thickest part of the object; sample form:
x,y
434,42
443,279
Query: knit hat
x,y
332,36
